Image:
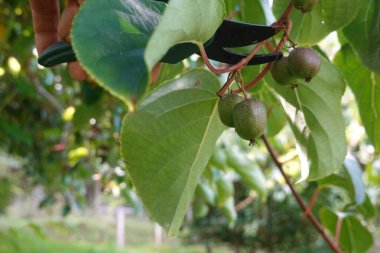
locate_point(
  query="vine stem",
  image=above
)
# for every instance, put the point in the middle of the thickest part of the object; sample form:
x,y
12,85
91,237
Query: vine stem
x,y
227,85
298,197
312,202
232,68
338,229
257,79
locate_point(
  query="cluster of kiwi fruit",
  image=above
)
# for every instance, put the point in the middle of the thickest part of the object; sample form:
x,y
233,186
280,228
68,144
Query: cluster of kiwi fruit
x,y
247,116
302,63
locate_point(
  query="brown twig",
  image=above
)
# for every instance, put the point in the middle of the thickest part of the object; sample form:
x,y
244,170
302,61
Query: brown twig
x,y
258,78
270,46
245,202
298,197
312,202
233,14
227,85
338,229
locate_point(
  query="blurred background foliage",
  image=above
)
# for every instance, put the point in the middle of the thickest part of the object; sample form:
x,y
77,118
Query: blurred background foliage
x,y
59,141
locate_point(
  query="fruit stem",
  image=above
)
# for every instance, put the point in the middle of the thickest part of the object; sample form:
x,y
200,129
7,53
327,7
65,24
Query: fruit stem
x,y
334,246
269,46
287,12
227,85
257,79
239,65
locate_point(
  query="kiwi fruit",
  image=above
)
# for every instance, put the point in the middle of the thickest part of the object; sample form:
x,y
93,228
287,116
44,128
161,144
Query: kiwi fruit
x,y
250,118
225,108
280,72
304,63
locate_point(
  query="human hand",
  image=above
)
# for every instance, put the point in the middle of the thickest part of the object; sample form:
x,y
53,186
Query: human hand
x,y
49,27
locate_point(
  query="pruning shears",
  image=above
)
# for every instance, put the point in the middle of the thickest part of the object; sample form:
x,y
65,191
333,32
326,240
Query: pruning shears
x,y
230,34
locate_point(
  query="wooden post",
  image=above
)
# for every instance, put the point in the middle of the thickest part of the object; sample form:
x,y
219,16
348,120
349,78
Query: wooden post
x,y
120,227
158,235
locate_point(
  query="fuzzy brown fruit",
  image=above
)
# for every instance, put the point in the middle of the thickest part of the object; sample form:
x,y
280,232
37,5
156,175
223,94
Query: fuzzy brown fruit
x,y
305,5
280,72
250,119
304,63
225,108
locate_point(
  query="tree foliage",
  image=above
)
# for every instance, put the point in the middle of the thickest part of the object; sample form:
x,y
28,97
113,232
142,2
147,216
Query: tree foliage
x,y
66,135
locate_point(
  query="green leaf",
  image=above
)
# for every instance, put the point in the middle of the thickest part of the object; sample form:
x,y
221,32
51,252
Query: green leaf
x,y
367,24
229,212
256,11
225,189
354,172
206,193
354,237
83,114
277,118
218,158
367,209
366,87
200,209
184,21
170,71
314,113
109,39
168,141
248,172
327,16
352,182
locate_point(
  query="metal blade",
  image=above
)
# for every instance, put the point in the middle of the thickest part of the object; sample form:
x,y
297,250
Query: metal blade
x,y
225,56
238,34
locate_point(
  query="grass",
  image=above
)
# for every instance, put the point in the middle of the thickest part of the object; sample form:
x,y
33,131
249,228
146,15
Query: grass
x,y
84,235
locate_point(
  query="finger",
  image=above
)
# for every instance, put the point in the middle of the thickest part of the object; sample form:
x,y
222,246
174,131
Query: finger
x,y
45,22
76,71
67,17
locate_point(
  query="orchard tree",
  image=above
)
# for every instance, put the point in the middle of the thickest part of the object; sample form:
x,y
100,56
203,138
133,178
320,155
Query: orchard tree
x,y
177,111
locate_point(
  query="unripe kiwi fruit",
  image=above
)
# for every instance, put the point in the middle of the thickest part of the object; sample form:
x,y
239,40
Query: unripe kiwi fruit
x,y
305,5
304,63
225,108
250,118
280,72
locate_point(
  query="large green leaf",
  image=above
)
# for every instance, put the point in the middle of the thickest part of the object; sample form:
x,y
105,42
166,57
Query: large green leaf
x,y
276,118
352,180
366,87
354,172
315,115
354,237
168,141
257,12
184,21
109,38
327,17
367,24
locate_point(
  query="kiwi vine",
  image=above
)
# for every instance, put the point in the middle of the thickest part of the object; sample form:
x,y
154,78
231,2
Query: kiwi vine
x,y
248,115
